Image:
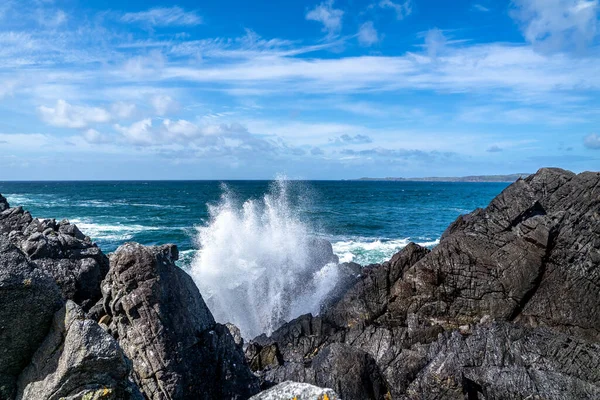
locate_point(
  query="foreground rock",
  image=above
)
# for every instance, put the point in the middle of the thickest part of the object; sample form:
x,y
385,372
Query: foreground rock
x,y
159,318
28,300
530,259
60,249
78,360
298,391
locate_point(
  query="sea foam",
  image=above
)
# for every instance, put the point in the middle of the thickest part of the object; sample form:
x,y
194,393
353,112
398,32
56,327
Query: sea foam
x,y
255,267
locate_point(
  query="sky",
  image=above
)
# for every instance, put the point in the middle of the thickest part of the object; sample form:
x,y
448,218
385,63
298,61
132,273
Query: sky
x,y
340,89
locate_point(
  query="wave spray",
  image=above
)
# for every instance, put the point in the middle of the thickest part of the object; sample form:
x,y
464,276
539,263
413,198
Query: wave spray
x,y
258,264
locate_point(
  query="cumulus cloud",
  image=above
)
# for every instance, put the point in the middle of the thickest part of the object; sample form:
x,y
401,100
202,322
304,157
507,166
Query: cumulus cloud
x,y
139,133
94,137
65,115
367,34
330,17
402,9
556,25
592,141
123,110
163,104
164,16
348,139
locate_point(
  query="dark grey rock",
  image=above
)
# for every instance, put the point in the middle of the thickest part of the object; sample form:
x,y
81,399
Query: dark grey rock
x,y
3,204
78,359
28,300
509,361
62,250
159,318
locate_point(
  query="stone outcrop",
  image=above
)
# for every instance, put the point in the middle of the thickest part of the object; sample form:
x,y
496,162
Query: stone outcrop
x,y
155,311
77,360
530,259
61,250
28,300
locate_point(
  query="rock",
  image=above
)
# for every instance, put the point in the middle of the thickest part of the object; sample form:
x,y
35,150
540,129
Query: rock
x,y
367,300
3,204
502,360
61,249
78,359
163,325
529,259
261,357
295,390
349,371
28,300
236,334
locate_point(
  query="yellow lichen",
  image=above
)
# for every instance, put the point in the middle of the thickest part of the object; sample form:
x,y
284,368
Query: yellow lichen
x,y
27,282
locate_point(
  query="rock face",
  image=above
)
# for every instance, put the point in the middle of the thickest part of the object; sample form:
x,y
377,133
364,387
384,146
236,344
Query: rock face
x,y
28,300
530,259
78,359
159,318
298,391
61,250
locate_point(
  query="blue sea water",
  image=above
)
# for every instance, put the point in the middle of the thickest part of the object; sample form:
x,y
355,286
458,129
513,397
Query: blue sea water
x,y
366,222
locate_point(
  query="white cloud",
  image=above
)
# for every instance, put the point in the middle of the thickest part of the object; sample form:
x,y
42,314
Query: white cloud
x,y
435,42
556,25
367,34
123,110
51,19
164,16
65,115
330,17
163,104
94,137
480,7
138,133
592,141
402,9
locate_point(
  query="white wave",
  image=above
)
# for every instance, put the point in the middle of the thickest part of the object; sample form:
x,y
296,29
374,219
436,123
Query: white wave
x,y
257,267
372,251
112,231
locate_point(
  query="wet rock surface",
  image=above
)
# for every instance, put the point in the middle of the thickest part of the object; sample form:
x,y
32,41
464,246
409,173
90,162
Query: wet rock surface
x,y
78,359
530,261
60,249
161,322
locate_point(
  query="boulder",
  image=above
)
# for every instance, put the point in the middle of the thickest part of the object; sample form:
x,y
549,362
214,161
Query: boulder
x,y
502,361
28,300
61,249
3,203
295,390
155,311
78,359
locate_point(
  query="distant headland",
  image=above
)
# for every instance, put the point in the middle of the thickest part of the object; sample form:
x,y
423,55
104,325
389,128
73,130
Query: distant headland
x,y
473,178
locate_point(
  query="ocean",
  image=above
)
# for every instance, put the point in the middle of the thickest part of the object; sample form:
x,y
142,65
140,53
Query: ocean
x,y
250,245
367,222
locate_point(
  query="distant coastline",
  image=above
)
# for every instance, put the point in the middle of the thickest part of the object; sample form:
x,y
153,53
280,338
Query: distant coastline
x,y
474,178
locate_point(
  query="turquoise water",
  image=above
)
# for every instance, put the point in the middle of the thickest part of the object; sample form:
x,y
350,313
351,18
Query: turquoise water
x,y
366,222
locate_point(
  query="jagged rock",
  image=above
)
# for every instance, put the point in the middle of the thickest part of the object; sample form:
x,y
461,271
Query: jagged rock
x,y
531,257
3,204
502,361
236,334
295,390
163,325
28,300
261,357
368,298
77,360
349,371
62,250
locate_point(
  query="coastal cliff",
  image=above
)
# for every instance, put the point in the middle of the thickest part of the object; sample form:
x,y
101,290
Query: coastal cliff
x,y
506,306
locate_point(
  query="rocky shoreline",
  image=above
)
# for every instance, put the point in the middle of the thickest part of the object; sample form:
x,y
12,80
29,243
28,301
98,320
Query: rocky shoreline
x,y
506,306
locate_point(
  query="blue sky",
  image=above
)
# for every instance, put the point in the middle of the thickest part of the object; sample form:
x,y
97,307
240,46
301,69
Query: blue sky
x,y
316,90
